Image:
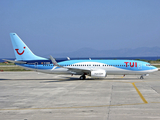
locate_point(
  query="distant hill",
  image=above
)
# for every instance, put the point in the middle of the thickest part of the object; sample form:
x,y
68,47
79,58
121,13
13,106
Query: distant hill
x,y
126,52
152,53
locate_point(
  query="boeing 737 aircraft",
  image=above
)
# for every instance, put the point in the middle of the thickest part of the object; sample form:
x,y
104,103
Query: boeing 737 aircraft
x,y
94,68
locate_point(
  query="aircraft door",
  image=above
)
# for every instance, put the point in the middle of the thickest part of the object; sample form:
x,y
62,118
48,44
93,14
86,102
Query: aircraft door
x,y
36,65
139,65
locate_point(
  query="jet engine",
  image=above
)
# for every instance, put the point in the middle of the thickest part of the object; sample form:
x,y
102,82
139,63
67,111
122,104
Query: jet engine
x,y
98,73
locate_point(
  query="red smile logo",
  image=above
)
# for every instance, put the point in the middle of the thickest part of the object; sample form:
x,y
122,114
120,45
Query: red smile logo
x,y
21,52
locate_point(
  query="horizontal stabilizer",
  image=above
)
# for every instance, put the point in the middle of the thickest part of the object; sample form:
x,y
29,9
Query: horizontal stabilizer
x,y
13,61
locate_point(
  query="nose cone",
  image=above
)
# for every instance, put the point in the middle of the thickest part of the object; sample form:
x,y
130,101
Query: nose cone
x,y
154,69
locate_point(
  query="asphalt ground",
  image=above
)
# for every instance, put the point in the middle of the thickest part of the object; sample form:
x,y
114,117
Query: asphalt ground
x,y
36,96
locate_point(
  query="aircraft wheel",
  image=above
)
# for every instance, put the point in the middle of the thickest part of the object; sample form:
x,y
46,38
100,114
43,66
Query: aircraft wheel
x,y
141,77
82,77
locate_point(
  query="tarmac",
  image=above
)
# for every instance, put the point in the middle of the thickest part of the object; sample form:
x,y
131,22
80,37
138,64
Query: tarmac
x,y
36,96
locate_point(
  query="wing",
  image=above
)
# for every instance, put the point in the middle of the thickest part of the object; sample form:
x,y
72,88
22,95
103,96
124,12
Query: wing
x,y
80,71
73,70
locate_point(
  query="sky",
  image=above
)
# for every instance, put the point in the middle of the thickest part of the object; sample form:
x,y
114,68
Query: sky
x,y
57,26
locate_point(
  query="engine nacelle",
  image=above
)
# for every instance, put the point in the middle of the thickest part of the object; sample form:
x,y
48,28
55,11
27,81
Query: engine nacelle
x,y
98,73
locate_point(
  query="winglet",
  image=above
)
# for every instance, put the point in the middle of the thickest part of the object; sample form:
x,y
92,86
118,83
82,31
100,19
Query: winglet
x,y
68,58
54,61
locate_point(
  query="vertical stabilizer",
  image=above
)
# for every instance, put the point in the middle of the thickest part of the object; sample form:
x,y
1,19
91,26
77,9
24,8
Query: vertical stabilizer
x,y
21,50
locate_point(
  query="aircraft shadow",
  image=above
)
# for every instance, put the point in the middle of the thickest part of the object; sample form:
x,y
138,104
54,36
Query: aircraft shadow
x,y
4,79
64,79
91,79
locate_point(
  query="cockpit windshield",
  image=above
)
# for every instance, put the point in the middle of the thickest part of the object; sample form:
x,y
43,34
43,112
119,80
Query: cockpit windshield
x,y
148,64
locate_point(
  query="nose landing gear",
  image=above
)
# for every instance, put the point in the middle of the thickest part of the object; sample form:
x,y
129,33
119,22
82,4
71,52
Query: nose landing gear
x,y
141,77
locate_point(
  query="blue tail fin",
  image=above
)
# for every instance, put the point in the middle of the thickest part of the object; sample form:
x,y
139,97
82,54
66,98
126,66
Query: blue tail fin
x,y
22,52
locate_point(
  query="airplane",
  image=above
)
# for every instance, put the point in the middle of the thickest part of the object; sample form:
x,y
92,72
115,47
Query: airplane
x,y
93,68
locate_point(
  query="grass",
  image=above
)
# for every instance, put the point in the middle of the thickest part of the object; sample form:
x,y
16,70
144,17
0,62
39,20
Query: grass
x,y
6,67
7,63
158,66
14,68
150,61
154,62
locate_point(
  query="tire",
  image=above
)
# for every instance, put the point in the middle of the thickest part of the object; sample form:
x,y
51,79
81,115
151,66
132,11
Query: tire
x,y
81,78
141,77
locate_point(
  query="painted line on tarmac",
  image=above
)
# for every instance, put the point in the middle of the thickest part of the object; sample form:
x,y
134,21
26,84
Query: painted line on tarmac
x,y
74,107
144,100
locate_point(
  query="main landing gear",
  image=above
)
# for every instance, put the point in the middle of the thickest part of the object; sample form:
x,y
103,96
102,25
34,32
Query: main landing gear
x,y
83,77
141,77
